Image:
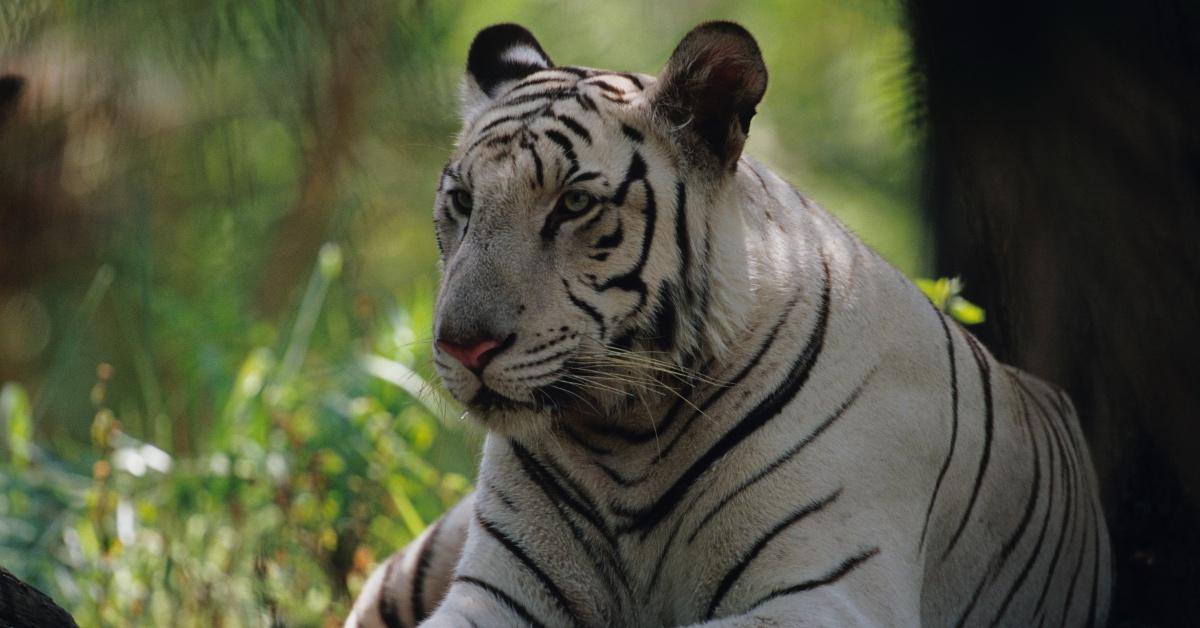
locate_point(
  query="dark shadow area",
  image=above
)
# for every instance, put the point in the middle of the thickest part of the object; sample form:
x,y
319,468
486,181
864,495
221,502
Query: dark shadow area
x,y
1063,184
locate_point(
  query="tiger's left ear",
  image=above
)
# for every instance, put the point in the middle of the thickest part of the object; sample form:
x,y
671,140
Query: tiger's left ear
x,y
709,90
500,55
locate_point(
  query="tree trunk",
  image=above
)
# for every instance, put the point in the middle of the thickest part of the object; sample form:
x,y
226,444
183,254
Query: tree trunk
x,y
1063,185
22,606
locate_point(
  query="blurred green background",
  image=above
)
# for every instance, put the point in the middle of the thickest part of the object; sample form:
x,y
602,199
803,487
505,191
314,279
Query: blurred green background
x,y
217,269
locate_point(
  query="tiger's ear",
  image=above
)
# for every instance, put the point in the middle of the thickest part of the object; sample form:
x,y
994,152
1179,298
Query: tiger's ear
x,y
710,87
499,55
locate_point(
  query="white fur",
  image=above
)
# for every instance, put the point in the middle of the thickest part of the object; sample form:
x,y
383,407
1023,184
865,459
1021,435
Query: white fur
x,y
883,371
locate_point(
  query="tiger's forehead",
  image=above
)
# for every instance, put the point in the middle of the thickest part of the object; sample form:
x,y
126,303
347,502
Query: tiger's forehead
x,y
569,106
562,93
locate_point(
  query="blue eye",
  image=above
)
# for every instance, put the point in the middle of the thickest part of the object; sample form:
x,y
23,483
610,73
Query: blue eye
x,y
462,201
576,202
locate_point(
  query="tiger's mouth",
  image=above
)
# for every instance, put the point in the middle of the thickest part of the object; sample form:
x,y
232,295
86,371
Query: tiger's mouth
x,y
553,398
486,399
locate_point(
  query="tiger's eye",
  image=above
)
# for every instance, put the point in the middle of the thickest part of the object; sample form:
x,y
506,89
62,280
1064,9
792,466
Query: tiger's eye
x,y
463,200
576,202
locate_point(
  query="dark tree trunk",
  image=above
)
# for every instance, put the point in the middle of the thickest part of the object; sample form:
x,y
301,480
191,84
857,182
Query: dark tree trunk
x,y
22,606
1063,184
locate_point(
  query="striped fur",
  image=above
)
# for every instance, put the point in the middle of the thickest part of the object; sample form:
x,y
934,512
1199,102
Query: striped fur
x,y
716,406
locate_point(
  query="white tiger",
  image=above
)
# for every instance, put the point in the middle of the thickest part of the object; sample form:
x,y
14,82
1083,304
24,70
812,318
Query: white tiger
x,y
707,402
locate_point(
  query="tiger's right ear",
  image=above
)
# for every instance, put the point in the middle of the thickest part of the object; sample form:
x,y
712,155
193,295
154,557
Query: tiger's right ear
x,y
708,92
500,55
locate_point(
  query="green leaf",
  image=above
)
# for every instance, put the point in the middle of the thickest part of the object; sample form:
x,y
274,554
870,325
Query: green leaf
x,y
945,294
17,418
966,312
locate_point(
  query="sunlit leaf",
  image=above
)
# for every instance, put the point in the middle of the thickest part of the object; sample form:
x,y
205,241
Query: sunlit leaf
x,y
966,312
17,417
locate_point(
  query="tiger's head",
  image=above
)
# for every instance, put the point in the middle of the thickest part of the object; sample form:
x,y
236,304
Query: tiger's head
x,y
588,250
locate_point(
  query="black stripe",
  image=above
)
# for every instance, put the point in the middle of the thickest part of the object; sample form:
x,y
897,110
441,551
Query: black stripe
x,y
985,382
596,216
516,117
540,475
388,610
489,139
560,599
537,164
635,172
1017,534
606,86
503,497
575,127
767,409
641,436
1067,529
587,309
740,566
1078,448
550,94
612,573
760,180
1062,621
1036,552
1091,618
705,274
1083,495
664,322
617,478
577,71
586,102
584,176
787,455
633,79
424,556
839,572
662,556
568,150
937,486
538,81
563,478
611,240
588,445
504,598
632,133
553,495
683,240
539,362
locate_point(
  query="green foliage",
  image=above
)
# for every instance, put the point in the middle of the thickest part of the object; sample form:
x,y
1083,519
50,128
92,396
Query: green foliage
x,y
946,295
231,423
304,477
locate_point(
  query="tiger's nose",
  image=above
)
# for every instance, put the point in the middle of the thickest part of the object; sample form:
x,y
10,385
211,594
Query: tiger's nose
x,y
474,354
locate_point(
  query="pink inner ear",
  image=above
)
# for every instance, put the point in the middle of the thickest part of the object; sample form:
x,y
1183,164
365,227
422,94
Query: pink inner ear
x,y
726,73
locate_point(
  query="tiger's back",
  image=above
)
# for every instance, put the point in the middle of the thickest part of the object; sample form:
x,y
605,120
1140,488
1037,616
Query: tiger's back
x,y
707,401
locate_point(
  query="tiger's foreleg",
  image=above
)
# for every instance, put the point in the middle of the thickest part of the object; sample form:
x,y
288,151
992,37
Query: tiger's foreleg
x,y
410,584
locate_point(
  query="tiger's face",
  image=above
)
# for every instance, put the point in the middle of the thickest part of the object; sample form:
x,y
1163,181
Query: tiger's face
x,y
572,220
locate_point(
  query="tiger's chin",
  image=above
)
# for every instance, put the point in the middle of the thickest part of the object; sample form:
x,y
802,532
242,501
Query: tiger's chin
x,y
543,412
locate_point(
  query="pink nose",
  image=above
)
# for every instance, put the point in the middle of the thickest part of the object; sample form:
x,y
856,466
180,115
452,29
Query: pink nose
x,y
473,356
